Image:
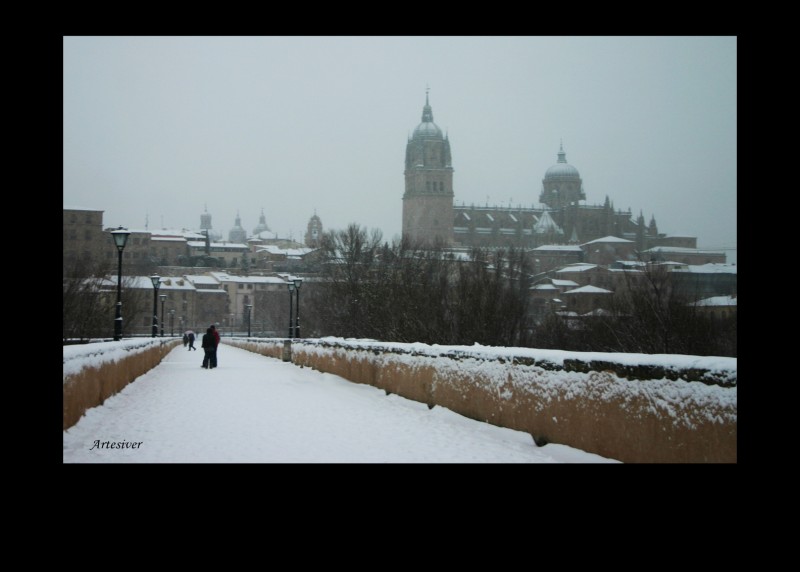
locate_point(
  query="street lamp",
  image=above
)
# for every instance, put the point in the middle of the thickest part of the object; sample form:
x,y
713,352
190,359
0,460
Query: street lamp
x,y
163,299
297,283
248,307
120,237
156,280
172,323
291,299
231,324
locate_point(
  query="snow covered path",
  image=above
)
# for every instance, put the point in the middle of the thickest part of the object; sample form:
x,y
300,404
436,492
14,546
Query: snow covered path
x,y
255,409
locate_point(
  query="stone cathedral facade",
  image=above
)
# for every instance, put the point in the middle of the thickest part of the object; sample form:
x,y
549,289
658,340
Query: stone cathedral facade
x,y
561,217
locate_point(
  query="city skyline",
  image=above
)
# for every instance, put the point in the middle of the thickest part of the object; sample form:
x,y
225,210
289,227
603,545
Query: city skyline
x,y
158,129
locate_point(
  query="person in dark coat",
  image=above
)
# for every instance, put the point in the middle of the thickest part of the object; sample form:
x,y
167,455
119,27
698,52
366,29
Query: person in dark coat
x,y
185,339
210,347
213,329
191,342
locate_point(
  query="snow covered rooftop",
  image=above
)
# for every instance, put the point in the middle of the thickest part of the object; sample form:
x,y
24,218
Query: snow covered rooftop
x,y
544,287
579,267
710,268
274,249
607,239
562,247
588,289
564,283
717,301
225,277
682,250
201,279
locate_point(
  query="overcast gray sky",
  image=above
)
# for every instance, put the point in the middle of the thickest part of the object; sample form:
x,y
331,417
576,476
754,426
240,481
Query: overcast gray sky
x,y
163,126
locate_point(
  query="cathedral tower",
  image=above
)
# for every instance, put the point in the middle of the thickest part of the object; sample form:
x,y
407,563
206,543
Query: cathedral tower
x,y
313,236
428,198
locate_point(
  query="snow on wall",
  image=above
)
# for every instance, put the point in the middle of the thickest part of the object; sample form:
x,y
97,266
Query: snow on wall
x,y
78,357
632,407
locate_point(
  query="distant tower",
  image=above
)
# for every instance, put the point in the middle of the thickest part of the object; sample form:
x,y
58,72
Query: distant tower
x,y
562,184
428,198
205,226
237,233
205,219
314,232
262,224
652,230
641,245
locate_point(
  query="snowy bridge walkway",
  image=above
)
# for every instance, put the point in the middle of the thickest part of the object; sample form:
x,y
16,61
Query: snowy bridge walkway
x,y
255,409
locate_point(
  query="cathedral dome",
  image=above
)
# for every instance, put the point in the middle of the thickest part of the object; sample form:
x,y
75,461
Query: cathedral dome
x,y
427,128
562,169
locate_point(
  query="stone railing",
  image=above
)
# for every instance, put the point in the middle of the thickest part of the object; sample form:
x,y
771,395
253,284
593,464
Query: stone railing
x,y
636,408
94,372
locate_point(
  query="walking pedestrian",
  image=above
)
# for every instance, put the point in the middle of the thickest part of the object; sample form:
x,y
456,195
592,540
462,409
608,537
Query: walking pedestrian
x,y
209,347
190,333
214,331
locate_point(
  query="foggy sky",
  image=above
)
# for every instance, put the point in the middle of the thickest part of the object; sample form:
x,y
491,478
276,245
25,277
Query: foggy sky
x,y
160,127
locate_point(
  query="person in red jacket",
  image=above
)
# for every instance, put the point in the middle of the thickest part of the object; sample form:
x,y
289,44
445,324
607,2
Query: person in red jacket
x,y
214,331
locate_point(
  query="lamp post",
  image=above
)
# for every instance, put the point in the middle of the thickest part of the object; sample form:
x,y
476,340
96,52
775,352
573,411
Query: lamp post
x,y
120,237
248,307
172,323
163,299
297,283
232,323
291,299
156,280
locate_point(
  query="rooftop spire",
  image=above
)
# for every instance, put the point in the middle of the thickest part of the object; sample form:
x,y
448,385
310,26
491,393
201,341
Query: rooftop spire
x,y
562,157
427,113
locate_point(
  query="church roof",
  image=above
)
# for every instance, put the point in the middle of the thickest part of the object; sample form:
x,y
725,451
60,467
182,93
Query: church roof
x,y
546,224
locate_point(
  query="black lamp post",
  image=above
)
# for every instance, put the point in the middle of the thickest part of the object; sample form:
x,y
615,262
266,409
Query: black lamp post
x,y
291,299
248,307
163,299
120,237
172,323
232,323
156,280
297,283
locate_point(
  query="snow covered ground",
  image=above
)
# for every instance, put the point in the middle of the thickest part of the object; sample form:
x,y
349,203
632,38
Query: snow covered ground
x,y
255,409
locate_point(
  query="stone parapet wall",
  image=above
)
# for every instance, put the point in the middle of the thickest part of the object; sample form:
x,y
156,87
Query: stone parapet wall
x,y
636,408
94,372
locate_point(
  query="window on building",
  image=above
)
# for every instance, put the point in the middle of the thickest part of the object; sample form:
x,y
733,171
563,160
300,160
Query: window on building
x,y
249,286
241,286
87,234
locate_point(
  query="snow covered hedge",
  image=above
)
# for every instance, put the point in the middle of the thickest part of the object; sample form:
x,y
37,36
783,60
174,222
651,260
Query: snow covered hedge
x,y
631,407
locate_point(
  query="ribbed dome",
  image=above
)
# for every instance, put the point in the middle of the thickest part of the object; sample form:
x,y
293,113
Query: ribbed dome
x,y
427,128
562,169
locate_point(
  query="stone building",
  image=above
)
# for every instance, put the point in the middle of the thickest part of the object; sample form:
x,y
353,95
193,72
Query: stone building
x,y
83,235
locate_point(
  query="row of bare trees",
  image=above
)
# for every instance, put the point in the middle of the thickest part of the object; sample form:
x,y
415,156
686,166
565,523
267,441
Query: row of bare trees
x,y
405,293
401,292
